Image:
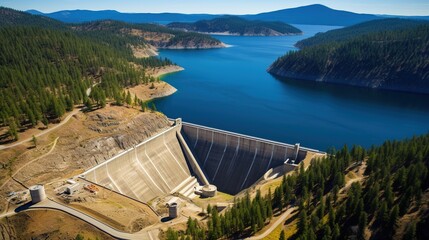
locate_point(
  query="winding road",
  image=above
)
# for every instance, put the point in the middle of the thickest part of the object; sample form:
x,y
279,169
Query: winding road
x,y
276,223
54,143
71,114
151,234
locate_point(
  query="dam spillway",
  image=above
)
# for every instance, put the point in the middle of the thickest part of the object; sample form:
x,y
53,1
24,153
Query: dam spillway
x,y
185,156
234,162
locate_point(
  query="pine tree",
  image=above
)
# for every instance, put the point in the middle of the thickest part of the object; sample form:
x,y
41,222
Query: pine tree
x,y
172,235
282,235
410,234
13,129
362,225
136,100
34,140
393,219
209,209
128,98
303,223
336,232
45,121
154,107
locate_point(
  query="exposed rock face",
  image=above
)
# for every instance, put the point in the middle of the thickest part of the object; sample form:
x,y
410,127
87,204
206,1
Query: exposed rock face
x,y
179,40
98,138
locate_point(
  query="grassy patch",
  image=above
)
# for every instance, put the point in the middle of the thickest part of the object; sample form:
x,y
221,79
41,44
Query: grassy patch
x,y
274,235
291,228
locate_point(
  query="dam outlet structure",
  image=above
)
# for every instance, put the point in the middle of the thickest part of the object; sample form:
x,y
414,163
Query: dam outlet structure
x,y
190,159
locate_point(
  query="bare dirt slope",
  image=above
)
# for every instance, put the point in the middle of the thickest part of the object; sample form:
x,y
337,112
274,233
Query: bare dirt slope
x,y
86,140
44,224
109,207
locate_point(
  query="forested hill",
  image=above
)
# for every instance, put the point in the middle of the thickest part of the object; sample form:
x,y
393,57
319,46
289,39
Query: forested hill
x,y
238,26
117,34
46,69
138,34
347,33
393,60
44,73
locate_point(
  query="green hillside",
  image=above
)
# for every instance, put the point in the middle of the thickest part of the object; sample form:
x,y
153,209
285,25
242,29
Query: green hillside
x,y
45,72
47,66
120,34
393,60
239,26
347,33
389,200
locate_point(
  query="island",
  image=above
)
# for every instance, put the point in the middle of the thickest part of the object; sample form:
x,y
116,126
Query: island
x,y
232,25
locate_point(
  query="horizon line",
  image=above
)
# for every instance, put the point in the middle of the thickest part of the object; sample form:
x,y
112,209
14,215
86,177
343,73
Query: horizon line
x,y
233,14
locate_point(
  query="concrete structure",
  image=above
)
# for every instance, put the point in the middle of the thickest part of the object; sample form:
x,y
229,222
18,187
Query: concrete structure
x,y
185,156
234,161
153,168
173,210
72,188
37,193
208,191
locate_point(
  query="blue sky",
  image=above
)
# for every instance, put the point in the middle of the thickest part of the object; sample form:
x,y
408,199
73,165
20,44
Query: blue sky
x,y
397,7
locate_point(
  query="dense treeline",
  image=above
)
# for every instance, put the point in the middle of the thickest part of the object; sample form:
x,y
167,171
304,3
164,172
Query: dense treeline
x,y
394,60
343,34
395,179
44,73
237,25
122,35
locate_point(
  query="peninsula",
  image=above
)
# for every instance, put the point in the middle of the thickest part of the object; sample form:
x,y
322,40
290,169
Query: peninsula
x,y
382,54
231,25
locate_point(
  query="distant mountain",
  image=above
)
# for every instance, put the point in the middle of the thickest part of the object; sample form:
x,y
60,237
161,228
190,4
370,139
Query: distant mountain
x,y
392,60
312,14
344,34
238,26
79,16
10,17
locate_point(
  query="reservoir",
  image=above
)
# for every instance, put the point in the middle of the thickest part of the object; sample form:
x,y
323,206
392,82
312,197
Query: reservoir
x,y
230,89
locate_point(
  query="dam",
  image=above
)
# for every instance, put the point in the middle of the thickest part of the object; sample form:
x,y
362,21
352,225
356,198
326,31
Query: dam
x,y
186,157
234,162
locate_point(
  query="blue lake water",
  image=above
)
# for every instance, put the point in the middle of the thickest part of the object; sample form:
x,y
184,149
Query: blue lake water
x,y
230,89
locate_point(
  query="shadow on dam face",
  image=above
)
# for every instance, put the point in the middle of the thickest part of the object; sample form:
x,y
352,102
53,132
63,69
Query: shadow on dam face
x,y
234,162
175,160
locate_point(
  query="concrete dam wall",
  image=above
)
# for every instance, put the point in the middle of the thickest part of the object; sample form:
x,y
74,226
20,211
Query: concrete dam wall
x,y
187,155
233,161
153,168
